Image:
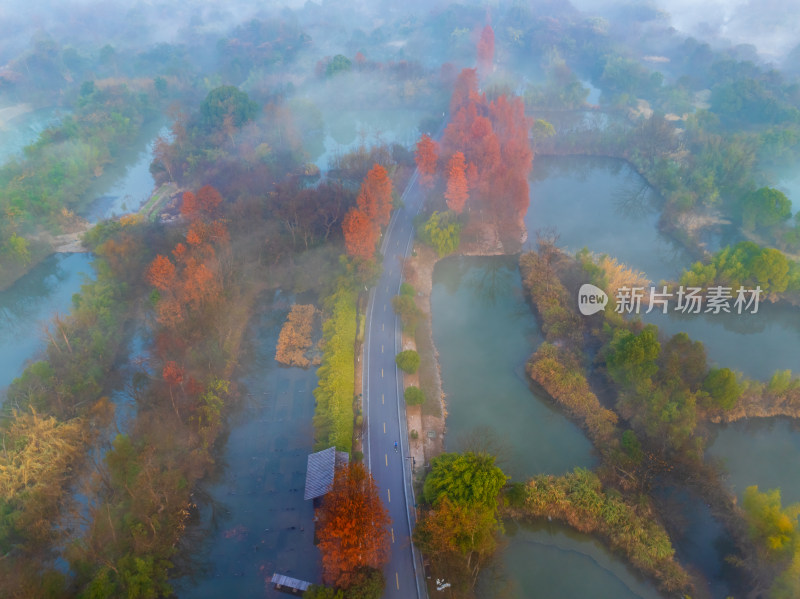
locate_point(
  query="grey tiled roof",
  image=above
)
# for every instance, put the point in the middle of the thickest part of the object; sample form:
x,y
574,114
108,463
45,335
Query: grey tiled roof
x,y
320,469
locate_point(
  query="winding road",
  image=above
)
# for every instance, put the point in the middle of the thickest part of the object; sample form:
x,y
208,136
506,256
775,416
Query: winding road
x,y
384,407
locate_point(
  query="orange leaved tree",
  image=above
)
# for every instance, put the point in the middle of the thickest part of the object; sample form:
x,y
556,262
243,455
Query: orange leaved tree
x,y
161,273
457,188
353,527
376,195
360,234
426,157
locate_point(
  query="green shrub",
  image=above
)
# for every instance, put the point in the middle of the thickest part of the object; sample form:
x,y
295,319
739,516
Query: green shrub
x,y
406,308
408,361
442,232
414,396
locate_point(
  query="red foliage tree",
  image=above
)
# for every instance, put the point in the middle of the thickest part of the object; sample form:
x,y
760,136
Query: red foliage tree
x,y
208,200
457,187
367,202
179,252
486,49
360,234
189,205
172,373
426,157
464,90
380,185
161,273
353,526
203,204
200,286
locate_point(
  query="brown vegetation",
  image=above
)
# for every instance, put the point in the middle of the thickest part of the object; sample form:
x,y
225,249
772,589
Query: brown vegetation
x,y
295,340
579,500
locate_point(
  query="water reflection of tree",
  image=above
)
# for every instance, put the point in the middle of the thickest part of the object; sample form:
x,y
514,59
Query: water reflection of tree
x,y
576,168
491,281
634,198
485,440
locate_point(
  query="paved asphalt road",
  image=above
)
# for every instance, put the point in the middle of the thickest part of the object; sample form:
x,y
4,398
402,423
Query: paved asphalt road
x,y
385,408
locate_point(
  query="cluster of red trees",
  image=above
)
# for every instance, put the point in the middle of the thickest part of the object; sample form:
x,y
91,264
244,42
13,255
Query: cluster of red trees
x,y
353,527
189,283
485,154
362,223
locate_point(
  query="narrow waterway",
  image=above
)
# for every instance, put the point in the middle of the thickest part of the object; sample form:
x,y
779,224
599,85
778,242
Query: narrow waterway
x,y
126,186
28,306
47,289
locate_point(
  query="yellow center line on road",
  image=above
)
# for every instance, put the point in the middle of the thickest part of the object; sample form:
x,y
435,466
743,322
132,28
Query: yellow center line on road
x,y
397,580
386,455
381,372
382,398
393,535
381,347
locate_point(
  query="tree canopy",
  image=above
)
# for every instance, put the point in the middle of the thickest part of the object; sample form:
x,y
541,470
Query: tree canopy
x,y
469,478
224,104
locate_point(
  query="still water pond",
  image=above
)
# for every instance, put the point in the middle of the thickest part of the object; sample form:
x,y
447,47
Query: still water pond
x,y
484,332
549,560
253,519
604,205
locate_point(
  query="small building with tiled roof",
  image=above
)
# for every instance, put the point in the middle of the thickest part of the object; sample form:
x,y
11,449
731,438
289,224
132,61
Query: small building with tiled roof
x,y
320,470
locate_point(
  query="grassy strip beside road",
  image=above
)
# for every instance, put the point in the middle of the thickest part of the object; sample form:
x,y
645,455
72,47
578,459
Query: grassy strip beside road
x,y
333,417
